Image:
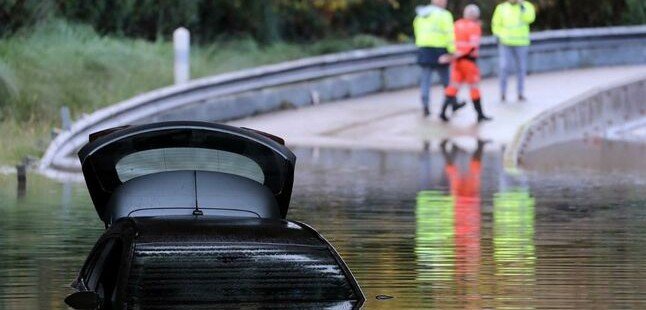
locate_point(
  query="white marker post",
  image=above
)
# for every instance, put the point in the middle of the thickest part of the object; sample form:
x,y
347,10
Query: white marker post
x,y
182,42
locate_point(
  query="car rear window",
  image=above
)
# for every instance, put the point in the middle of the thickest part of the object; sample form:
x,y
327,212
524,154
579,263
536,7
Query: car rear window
x,y
237,275
186,158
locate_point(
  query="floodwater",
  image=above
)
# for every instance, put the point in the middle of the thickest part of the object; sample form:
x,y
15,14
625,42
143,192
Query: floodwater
x,y
445,227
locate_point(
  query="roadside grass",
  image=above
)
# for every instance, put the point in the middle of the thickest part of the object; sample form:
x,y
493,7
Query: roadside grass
x,y
57,64
20,139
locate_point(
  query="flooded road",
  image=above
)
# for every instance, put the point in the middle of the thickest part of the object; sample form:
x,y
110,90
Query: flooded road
x,y
444,228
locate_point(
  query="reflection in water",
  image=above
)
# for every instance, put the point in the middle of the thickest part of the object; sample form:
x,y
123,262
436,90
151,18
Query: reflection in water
x,y
448,234
562,241
465,188
434,238
513,241
42,244
442,228
618,157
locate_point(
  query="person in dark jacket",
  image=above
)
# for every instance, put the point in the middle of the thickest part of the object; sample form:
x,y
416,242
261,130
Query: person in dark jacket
x,y
435,38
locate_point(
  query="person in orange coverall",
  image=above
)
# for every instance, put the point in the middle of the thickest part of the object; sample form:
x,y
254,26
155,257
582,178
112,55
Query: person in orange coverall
x,y
468,32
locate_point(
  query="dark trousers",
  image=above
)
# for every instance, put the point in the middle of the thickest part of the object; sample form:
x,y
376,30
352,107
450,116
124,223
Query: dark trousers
x,y
427,78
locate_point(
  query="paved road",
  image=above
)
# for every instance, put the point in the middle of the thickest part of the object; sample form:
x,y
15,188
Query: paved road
x,y
393,120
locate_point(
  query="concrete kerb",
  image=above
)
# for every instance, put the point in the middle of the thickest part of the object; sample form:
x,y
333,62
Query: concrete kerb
x,y
521,143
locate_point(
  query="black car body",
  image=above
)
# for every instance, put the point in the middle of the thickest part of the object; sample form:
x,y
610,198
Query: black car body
x,y
195,218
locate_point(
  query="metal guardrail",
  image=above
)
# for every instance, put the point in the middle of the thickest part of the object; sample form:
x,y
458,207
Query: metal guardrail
x,y
60,155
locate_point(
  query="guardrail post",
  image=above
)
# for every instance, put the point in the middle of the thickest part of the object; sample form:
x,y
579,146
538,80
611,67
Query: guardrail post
x,y
181,43
21,174
66,118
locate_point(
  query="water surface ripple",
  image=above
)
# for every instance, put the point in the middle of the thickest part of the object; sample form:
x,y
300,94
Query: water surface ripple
x,y
442,228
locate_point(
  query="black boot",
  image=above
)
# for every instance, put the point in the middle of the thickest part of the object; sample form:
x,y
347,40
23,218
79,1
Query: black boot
x,y
478,106
458,105
448,101
426,112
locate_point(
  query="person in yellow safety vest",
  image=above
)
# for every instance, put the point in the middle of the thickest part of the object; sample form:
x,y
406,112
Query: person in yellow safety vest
x,y
510,24
434,36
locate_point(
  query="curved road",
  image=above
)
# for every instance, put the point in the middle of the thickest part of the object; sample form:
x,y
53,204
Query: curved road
x,y
393,120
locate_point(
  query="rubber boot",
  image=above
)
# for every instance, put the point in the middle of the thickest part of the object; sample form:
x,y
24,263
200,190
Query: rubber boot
x,y
425,106
478,106
458,105
448,101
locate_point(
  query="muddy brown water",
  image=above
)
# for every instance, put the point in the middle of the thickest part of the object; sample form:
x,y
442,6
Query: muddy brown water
x,y
428,233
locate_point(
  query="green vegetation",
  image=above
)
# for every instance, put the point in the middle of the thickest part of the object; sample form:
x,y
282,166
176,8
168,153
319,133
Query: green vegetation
x,y
59,64
20,139
289,20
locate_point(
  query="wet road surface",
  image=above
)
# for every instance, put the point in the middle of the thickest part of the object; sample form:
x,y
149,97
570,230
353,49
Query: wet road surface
x,y
393,120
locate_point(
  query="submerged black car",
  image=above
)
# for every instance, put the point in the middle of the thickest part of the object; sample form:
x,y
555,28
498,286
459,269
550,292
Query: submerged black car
x,y
195,219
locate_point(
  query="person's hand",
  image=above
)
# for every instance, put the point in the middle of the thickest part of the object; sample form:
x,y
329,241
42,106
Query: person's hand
x,y
445,59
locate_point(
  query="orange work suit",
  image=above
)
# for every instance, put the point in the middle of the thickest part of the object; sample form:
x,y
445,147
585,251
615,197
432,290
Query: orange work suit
x,y
467,39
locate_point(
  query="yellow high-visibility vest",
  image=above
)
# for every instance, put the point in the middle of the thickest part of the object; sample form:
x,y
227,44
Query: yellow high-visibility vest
x,y
510,23
435,30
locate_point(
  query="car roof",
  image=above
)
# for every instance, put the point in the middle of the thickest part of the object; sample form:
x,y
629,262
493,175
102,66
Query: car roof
x,y
100,157
204,229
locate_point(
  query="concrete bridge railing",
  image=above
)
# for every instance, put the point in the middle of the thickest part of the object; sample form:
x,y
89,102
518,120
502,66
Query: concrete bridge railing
x,y
592,115
328,78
